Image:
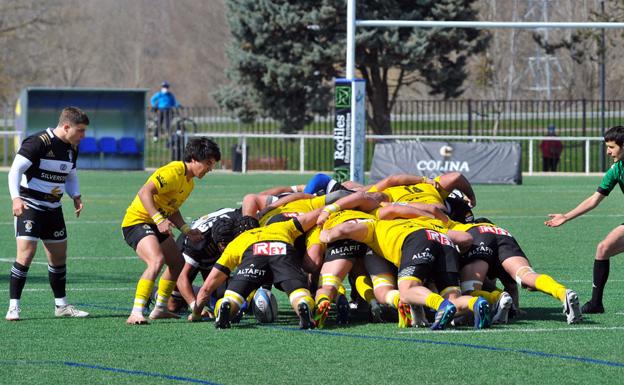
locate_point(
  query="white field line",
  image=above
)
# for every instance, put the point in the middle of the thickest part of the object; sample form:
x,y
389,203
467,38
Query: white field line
x,y
78,289
70,258
522,330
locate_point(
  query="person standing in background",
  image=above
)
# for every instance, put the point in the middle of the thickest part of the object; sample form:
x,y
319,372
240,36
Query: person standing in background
x,y
551,151
163,102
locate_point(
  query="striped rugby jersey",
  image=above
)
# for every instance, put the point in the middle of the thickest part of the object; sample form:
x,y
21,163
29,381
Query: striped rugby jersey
x,y
43,183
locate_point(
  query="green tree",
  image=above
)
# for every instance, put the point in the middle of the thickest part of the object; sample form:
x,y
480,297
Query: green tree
x,y
285,55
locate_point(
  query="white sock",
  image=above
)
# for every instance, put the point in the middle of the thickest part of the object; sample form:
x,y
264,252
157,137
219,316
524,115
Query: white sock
x,y
60,302
14,303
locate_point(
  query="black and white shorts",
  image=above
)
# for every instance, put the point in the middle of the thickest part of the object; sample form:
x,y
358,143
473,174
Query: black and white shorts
x,y
47,225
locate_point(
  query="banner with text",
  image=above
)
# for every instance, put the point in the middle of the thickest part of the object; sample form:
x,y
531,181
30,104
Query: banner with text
x,y
481,163
349,130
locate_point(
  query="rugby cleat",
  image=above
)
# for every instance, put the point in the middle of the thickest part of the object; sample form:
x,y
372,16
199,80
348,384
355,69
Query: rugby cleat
x,y
321,313
305,317
417,313
376,312
571,307
482,316
444,315
500,312
222,321
405,315
342,310
69,311
590,308
13,314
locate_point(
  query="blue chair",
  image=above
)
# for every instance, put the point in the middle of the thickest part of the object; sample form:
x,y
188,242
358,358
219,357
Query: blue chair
x,y
88,145
128,146
108,145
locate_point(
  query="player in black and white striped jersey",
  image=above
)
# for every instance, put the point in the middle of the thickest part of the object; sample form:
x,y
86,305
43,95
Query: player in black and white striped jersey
x,y
43,170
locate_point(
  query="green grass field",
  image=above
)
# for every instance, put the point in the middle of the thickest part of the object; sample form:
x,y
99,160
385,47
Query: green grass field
x,y
102,274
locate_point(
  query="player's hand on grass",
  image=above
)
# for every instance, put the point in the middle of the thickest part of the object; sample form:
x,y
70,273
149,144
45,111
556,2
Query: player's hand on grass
x,y
19,206
195,236
556,220
77,205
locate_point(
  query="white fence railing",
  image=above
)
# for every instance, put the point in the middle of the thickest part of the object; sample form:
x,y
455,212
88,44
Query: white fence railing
x,y
303,138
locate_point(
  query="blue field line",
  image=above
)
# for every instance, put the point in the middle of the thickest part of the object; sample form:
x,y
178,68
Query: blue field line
x,y
586,360
110,369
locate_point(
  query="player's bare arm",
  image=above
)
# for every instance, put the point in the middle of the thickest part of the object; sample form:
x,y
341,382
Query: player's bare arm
x,y
587,205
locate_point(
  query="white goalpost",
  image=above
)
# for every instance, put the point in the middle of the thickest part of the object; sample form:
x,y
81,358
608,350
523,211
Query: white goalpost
x,y
357,124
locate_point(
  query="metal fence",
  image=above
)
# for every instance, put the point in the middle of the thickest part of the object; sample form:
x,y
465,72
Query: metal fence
x,y
579,124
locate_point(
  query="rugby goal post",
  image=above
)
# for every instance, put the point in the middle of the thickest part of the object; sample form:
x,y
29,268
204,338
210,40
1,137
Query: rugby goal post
x,y
357,114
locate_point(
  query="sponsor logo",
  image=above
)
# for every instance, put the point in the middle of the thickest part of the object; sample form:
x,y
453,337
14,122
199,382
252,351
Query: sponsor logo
x,y
63,167
53,178
424,256
344,250
161,180
59,234
440,166
50,154
269,248
494,230
482,249
438,237
251,271
28,225
343,96
56,192
291,215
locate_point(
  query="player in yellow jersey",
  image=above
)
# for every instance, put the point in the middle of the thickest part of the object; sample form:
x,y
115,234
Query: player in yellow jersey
x,y
497,254
150,218
494,252
420,252
339,259
263,255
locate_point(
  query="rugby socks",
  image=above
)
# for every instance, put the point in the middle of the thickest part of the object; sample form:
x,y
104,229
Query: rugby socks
x,y
471,302
165,288
143,292
491,297
434,300
18,276
546,284
392,298
57,275
322,297
364,287
601,275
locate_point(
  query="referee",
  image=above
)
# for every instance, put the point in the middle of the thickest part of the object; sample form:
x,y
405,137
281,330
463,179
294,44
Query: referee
x,y
43,170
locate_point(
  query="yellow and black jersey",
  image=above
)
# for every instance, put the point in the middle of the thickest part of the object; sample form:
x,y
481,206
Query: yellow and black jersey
x,y
420,193
275,239
172,190
458,226
295,208
385,237
313,236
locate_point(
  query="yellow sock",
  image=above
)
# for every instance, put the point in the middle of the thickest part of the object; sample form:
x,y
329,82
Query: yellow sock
x,y
490,297
165,287
364,287
472,301
249,298
322,297
341,289
392,298
143,292
546,284
434,301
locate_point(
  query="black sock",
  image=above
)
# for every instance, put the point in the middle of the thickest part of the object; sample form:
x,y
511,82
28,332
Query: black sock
x,y
56,275
601,275
18,276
